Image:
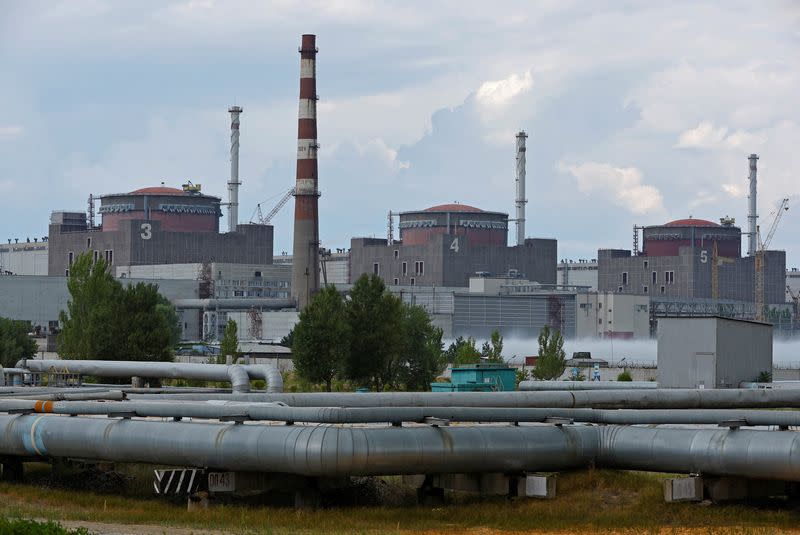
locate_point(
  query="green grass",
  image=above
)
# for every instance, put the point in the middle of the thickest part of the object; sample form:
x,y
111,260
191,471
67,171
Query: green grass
x,y
587,501
21,526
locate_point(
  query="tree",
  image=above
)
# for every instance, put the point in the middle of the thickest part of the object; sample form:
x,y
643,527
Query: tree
x,y
624,376
15,344
374,316
462,351
287,340
552,360
150,327
94,317
229,345
103,320
492,350
321,339
421,357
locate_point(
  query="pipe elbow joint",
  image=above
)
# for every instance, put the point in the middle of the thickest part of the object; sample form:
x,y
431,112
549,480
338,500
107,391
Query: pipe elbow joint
x,y
239,378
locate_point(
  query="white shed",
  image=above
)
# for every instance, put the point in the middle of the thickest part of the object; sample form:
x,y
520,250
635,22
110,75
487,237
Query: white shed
x,y
712,352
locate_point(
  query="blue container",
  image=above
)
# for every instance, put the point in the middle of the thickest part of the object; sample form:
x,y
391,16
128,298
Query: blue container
x,y
479,378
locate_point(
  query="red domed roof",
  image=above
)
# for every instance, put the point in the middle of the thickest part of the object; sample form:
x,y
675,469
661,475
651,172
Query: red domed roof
x,y
452,208
691,223
158,190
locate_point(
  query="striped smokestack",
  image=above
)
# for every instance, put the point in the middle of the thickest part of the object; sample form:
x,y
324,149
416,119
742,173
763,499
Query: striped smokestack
x,y
305,256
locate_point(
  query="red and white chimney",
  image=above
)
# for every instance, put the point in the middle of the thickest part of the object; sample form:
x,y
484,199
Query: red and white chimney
x,y
305,256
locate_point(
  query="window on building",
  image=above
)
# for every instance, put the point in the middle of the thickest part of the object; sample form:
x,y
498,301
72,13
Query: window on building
x,y
655,277
396,281
66,273
397,253
644,289
624,278
645,264
412,281
95,255
619,289
669,277
70,258
417,268
88,243
600,321
376,268
421,267
258,274
599,306
662,289
405,268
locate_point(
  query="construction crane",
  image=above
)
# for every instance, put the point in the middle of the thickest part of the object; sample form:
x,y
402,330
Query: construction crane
x,y
261,219
760,259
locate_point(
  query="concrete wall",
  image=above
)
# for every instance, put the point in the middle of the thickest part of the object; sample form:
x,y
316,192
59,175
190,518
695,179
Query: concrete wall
x,y
451,260
140,242
744,349
513,315
23,258
581,273
691,275
39,299
711,352
606,314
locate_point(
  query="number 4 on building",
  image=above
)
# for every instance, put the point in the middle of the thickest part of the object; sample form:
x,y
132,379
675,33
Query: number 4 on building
x,y
454,245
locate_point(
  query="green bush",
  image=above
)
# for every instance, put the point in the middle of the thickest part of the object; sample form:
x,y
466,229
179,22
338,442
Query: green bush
x,y
624,376
21,526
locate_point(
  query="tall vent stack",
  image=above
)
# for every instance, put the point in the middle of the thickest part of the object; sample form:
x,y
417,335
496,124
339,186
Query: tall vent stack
x,y
752,212
305,256
233,183
521,201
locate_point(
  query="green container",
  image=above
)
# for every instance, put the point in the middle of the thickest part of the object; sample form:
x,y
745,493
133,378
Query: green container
x,y
479,378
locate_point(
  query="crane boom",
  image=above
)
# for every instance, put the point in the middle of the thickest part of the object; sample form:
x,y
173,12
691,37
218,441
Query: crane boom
x,y
264,220
783,207
760,259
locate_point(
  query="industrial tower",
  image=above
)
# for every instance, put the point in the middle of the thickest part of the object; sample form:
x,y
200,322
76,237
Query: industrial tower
x,y
233,183
305,256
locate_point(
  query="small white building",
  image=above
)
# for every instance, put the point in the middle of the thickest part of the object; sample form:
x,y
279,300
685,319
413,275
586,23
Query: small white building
x,y
712,352
28,258
581,272
612,315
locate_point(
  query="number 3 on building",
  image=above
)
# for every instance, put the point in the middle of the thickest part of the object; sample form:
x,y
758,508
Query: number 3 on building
x,y
454,245
147,231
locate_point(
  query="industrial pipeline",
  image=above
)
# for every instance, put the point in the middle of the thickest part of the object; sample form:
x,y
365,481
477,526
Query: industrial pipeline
x,y
238,375
604,399
319,450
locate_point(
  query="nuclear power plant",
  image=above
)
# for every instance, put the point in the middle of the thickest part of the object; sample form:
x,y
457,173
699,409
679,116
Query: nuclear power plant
x,y
455,259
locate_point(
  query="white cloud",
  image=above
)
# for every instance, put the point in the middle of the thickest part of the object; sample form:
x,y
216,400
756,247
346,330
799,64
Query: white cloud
x,y
10,131
500,92
621,185
705,136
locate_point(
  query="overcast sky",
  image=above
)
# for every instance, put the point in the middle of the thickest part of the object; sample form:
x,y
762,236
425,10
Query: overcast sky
x,y
637,112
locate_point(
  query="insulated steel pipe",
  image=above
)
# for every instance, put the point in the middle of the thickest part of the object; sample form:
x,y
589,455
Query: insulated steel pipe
x,y
238,375
362,415
602,399
586,385
354,451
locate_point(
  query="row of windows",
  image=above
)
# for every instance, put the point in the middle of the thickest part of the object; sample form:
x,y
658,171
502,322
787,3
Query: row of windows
x,y
669,277
108,255
646,289
419,268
